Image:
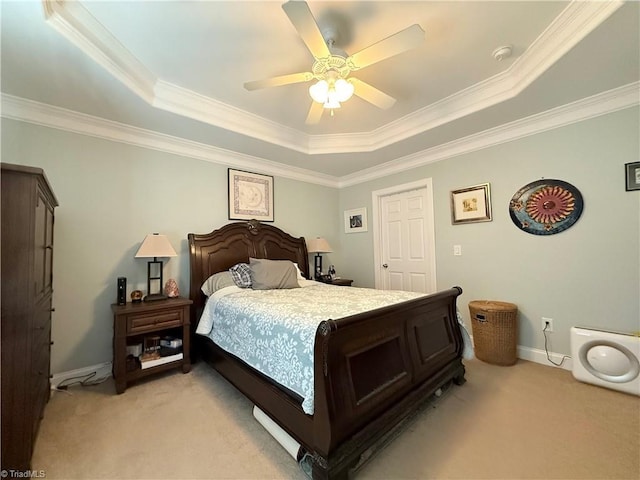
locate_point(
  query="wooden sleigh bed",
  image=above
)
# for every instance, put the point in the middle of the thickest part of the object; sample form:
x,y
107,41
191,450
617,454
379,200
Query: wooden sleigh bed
x,y
372,371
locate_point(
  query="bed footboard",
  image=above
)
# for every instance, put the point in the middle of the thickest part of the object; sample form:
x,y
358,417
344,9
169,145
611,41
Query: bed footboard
x,y
374,369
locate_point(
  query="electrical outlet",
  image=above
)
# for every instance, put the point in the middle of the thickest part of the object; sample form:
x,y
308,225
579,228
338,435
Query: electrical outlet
x,y
548,323
457,250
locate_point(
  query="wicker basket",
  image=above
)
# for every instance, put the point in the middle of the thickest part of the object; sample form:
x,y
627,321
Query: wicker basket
x,y
495,330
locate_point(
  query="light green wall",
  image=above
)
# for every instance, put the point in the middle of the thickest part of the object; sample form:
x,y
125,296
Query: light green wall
x,y
587,275
111,195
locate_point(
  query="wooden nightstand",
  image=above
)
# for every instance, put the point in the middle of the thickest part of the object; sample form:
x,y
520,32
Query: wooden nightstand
x,y
342,282
133,321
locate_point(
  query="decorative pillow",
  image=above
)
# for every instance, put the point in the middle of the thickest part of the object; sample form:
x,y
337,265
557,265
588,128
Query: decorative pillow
x,y
241,275
271,274
215,282
300,277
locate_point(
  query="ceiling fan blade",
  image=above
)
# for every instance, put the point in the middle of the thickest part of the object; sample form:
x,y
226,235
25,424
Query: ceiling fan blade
x,y
315,113
278,81
372,94
302,19
397,43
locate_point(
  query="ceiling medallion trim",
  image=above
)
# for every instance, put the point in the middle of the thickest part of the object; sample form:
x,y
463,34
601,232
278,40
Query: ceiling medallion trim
x,y
76,24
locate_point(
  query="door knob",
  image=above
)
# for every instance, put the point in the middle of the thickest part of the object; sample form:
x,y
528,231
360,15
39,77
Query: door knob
x,y
384,265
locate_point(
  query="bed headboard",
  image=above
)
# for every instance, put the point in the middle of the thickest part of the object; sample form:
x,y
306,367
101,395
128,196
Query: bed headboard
x,y
221,249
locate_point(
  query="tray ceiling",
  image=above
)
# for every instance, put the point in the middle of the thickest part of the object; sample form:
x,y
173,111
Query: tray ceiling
x,y
177,69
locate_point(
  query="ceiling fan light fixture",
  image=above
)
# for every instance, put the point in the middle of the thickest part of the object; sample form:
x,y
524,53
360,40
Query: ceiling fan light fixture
x,y
333,66
344,89
330,93
319,91
332,102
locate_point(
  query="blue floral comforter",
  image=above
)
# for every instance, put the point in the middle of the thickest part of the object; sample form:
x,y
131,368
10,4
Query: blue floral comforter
x,y
274,330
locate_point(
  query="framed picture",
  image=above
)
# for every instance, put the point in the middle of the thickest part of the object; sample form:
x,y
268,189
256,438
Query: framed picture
x,y
471,204
633,176
250,196
355,220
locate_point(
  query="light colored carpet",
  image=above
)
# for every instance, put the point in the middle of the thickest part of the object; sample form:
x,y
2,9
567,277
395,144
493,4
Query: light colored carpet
x,y
527,421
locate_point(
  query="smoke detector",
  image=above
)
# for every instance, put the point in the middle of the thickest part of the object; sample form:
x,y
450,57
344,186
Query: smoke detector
x,y
501,53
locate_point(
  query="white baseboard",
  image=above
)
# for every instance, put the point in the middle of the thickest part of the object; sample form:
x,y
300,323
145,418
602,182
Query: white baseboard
x,y
101,370
540,356
104,369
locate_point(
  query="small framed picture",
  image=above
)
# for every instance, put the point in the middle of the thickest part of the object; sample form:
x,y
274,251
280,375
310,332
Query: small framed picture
x,y
471,204
632,176
250,196
355,220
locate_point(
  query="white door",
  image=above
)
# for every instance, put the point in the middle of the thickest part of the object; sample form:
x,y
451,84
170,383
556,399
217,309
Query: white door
x,y
406,249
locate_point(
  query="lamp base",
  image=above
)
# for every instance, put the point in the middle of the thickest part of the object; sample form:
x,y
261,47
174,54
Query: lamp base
x,y
153,298
317,266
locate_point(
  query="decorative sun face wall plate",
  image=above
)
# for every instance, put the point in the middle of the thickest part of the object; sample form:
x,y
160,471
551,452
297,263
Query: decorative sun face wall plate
x,y
546,207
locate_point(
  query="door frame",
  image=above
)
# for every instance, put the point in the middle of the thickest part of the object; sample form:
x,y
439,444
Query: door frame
x,y
376,202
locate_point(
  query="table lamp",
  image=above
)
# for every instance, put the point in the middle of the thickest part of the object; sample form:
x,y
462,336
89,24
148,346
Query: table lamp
x,y
154,246
318,245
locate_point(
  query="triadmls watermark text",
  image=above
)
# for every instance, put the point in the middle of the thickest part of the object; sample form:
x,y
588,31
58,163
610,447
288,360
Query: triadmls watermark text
x,y
22,473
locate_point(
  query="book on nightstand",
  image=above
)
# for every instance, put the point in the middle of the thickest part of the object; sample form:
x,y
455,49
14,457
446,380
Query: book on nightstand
x,y
160,361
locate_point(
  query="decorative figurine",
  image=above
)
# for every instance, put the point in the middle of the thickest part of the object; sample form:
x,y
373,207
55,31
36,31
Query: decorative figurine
x,y
332,272
136,296
171,289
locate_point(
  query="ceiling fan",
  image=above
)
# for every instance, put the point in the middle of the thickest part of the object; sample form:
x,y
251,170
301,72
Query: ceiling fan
x,y
333,66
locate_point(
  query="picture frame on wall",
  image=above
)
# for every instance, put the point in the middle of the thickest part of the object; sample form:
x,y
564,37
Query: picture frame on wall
x,y
250,196
632,176
471,204
355,220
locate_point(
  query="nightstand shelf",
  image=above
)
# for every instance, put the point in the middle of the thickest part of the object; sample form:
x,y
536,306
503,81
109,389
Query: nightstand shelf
x,y
341,282
133,321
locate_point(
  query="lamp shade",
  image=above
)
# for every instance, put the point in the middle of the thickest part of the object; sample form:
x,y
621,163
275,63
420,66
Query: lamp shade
x,y
155,245
318,245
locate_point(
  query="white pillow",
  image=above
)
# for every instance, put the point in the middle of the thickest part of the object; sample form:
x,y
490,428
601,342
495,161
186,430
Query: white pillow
x,y
300,277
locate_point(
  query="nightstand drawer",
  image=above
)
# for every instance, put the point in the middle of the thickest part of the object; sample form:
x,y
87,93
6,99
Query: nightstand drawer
x,y
150,321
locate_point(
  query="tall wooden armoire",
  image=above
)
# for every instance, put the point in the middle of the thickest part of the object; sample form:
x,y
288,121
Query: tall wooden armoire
x,y
28,206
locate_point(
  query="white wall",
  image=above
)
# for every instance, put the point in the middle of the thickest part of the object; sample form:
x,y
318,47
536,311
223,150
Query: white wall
x,y
111,195
588,275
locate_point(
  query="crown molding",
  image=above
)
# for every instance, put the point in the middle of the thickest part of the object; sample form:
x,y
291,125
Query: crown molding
x,y
601,104
190,104
574,23
24,110
76,24
577,20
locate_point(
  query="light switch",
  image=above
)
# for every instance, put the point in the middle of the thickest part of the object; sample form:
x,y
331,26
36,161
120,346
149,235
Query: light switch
x,y
457,250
